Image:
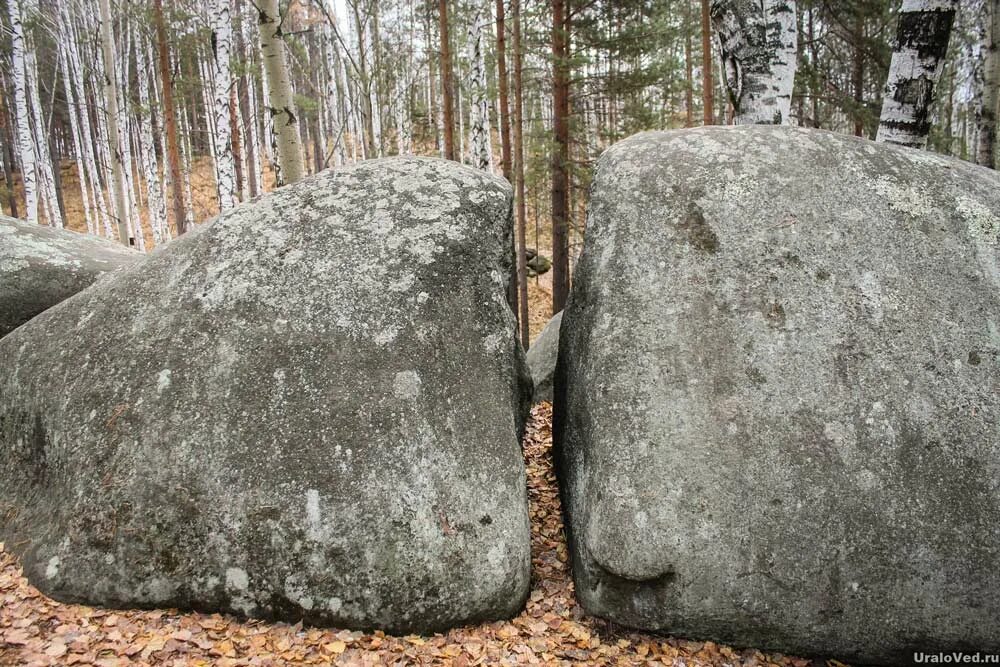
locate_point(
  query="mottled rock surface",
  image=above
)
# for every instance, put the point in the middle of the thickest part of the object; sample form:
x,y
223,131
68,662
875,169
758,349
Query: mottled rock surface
x,y
248,422
777,394
542,359
41,266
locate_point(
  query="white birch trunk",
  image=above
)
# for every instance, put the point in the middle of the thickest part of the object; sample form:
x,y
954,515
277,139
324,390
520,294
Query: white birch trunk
x,y
225,167
73,109
86,128
186,160
155,204
922,33
480,141
985,153
43,158
126,142
111,108
332,104
26,146
758,39
282,105
460,110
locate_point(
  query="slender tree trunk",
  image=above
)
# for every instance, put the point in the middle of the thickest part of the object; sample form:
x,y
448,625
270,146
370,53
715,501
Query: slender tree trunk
x,y
707,87
247,97
758,41
447,92
985,155
26,146
225,163
688,68
72,109
48,174
505,160
479,127
282,105
518,159
560,155
858,72
114,142
169,120
8,156
922,33
154,197
814,58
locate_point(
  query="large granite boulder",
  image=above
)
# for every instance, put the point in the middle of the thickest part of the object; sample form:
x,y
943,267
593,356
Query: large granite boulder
x,y
248,422
41,266
778,394
542,356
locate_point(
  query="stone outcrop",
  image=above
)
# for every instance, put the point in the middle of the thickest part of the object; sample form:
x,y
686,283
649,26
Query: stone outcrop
x,y
251,422
41,266
776,415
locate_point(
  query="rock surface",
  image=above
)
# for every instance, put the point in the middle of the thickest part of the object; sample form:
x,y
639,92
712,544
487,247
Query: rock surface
x,y
245,422
542,359
777,409
41,266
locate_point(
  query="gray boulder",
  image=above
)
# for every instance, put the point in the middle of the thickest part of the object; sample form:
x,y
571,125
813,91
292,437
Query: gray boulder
x,y
246,423
777,415
542,359
41,266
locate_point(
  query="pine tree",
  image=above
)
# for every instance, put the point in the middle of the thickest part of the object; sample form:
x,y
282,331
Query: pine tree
x,y
447,92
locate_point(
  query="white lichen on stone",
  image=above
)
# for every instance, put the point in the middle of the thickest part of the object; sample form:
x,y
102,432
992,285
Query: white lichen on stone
x,y
52,568
162,381
903,198
981,222
406,385
237,579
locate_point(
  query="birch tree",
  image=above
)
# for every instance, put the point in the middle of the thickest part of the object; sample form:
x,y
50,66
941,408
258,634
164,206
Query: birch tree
x,y
758,40
225,167
479,127
291,166
922,32
985,155
78,139
157,213
26,146
111,111
44,170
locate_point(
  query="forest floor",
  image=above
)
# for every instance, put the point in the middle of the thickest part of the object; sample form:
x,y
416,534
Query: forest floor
x,y
552,629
